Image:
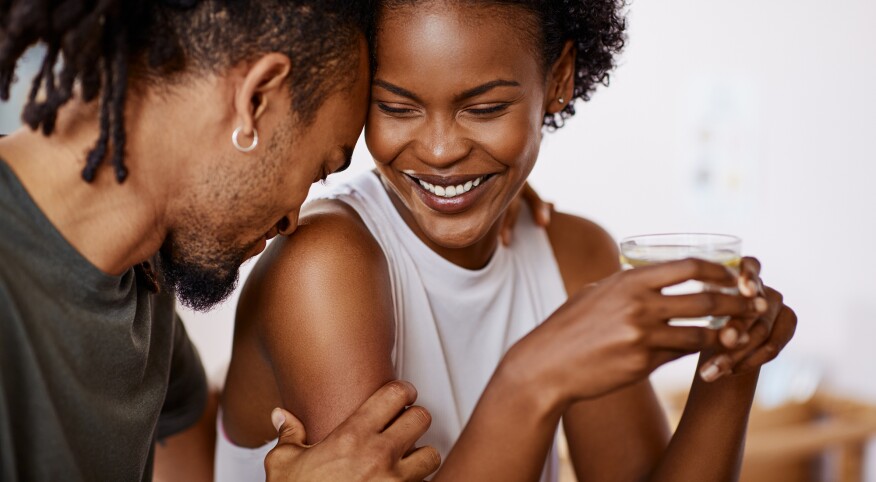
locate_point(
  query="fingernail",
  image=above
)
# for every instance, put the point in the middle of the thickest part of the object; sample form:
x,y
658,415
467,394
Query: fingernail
x,y
743,340
729,337
546,213
746,287
761,305
277,418
710,372
752,286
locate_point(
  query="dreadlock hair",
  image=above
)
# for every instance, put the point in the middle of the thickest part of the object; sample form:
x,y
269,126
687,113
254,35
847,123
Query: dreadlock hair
x,y
100,44
595,27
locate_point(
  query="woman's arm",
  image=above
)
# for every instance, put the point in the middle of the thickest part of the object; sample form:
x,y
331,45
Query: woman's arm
x,y
328,333
624,435
325,317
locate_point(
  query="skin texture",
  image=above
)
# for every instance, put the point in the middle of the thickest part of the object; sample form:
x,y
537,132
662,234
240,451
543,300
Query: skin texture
x,y
315,323
188,183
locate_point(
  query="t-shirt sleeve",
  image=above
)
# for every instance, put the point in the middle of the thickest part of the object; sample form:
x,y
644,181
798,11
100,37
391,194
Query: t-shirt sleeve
x,y
186,396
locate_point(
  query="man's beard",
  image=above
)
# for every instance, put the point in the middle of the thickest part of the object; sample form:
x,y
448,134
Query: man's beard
x,y
200,276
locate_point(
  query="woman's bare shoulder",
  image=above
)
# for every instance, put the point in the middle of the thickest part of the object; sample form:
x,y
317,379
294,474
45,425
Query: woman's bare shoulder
x,y
320,304
585,252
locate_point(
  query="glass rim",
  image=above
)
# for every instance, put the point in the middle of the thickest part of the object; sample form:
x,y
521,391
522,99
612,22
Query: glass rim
x,y
717,240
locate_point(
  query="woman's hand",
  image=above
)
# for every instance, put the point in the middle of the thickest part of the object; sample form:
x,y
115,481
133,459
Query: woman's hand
x,y
615,332
541,212
751,342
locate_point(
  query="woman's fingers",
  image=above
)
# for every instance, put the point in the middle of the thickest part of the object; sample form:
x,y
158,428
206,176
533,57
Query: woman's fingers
x,y
734,334
749,278
674,272
767,339
683,340
782,332
706,303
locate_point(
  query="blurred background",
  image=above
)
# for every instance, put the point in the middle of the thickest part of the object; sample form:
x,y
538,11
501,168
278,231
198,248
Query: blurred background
x,y
750,118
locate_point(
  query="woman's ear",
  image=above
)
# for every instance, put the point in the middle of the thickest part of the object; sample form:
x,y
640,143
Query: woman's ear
x,y
263,79
561,84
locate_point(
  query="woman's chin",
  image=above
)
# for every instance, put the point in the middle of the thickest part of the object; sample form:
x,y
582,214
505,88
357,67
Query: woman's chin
x,y
451,235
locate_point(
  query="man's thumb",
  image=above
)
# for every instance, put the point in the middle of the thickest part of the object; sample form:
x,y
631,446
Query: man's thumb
x,y
290,430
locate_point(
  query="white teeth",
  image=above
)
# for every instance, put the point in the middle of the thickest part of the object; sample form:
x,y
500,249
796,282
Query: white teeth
x,y
451,191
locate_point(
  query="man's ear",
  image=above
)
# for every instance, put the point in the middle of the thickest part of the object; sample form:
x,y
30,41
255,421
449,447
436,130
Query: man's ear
x,y
561,84
263,80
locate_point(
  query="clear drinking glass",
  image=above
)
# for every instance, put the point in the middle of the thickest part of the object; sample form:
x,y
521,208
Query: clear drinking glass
x,y
649,249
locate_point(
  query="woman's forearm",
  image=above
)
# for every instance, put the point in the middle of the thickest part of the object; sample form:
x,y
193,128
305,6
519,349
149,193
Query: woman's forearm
x,y
709,441
509,433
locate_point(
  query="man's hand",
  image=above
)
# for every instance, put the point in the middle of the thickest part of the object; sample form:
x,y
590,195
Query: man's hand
x,y
541,212
374,444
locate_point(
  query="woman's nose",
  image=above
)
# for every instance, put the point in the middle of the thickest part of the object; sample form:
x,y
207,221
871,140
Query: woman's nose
x,y
442,144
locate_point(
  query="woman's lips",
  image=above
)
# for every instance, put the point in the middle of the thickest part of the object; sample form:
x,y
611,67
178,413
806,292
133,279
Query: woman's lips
x,y
442,194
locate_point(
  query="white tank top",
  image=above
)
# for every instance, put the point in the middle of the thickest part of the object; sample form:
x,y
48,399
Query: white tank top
x,y
453,325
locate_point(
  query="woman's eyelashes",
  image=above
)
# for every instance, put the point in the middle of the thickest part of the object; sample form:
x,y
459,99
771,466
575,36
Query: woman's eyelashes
x,y
492,109
393,110
486,110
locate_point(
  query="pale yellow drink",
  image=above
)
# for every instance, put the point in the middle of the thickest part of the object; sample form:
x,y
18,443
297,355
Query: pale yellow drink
x,y
639,251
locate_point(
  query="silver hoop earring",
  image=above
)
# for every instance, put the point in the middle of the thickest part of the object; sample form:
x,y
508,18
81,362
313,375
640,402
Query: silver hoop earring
x,y
255,140
561,100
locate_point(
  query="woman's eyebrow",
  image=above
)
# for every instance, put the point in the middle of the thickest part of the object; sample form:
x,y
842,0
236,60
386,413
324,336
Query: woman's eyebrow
x,y
484,88
397,90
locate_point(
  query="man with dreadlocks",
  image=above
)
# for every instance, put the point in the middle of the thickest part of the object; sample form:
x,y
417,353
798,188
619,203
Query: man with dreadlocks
x,y
168,140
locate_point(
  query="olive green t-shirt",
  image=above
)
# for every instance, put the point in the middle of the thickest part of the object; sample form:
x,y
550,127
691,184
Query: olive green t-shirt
x,y
93,367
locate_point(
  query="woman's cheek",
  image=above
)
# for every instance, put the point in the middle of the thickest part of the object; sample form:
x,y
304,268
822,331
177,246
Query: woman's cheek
x,y
385,139
509,140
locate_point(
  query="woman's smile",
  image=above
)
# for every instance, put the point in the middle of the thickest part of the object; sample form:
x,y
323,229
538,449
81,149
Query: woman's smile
x,y
452,194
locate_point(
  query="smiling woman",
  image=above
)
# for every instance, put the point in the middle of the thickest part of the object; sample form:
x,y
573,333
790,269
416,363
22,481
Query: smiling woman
x,y
399,273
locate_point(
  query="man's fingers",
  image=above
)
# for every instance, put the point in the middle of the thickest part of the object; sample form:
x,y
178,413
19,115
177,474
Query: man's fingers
x,y
674,272
541,210
380,409
683,339
706,303
408,428
508,222
290,430
419,464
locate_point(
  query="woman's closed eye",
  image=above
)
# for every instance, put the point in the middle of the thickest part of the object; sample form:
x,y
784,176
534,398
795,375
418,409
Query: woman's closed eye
x,y
488,109
481,110
395,109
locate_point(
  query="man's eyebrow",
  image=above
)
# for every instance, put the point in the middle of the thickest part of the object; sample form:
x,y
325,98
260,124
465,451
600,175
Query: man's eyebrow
x,y
397,90
484,88
348,158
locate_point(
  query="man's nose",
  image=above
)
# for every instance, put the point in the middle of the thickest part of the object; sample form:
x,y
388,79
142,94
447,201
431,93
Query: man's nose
x,y
288,224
